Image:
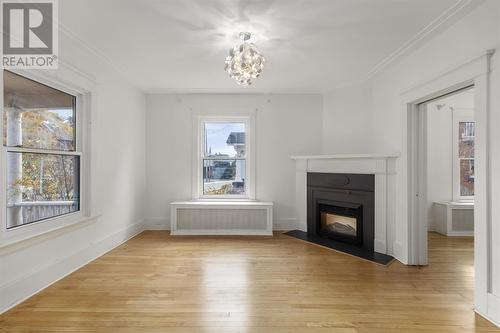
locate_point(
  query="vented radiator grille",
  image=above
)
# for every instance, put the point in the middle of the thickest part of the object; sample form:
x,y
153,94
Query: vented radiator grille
x,y
214,219
221,218
462,220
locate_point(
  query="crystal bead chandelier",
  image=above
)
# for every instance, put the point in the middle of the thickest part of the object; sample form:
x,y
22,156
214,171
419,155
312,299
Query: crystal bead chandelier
x,y
245,62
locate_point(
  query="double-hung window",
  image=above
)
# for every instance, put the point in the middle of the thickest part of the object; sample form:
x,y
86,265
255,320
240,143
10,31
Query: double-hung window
x,y
42,152
464,138
224,158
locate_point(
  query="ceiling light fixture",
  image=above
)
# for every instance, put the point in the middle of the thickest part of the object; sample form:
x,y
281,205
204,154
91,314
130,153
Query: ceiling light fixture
x,y
245,62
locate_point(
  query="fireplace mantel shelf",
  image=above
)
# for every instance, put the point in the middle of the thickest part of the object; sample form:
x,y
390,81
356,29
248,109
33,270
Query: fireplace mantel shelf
x,y
345,156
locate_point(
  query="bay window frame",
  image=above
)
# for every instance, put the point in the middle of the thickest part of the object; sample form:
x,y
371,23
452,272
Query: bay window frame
x,y
82,151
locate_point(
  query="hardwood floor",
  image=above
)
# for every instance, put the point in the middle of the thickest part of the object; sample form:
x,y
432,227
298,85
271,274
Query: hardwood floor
x,y
156,283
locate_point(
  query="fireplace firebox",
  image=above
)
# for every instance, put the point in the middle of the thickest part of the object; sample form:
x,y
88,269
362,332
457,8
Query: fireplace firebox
x,y
341,223
340,208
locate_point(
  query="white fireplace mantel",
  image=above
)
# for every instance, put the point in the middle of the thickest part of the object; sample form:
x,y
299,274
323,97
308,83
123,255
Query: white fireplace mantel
x,y
383,166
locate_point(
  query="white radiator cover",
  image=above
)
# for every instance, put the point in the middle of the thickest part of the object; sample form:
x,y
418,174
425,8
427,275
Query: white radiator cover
x,y
453,218
221,218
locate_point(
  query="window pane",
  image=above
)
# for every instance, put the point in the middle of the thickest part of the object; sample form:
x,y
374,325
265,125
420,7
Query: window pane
x,y
466,134
41,186
466,177
224,139
224,177
37,116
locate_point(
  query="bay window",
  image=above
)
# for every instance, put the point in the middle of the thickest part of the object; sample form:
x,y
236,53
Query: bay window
x,y
42,152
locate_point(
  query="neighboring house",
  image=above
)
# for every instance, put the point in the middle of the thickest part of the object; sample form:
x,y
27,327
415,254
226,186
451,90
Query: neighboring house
x,y
237,140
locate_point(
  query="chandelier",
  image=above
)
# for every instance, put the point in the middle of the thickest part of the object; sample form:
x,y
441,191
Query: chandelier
x,y
244,62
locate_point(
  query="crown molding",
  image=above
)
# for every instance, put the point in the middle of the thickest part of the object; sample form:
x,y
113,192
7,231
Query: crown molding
x,y
233,91
461,7
88,76
95,52
458,8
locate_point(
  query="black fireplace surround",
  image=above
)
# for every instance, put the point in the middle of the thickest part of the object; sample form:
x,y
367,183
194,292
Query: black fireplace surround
x,y
341,208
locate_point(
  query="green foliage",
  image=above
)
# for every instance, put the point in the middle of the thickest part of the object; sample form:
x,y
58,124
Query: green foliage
x,y
45,177
225,189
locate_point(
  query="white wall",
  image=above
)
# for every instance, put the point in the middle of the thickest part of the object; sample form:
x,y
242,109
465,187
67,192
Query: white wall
x,y
117,186
451,48
439,158
347,120
286,125
495,166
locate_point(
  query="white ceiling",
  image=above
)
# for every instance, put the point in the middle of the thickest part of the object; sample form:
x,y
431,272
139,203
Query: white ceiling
x,y
309,45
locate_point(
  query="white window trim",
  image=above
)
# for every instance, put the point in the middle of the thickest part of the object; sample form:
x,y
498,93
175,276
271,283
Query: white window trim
x,y
250,158
83,113
459,115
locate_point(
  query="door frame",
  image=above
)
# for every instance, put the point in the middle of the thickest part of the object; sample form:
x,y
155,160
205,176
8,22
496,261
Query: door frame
x,y
413,171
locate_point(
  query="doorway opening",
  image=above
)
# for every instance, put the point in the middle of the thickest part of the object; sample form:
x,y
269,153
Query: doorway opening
x,y
445,162
475,74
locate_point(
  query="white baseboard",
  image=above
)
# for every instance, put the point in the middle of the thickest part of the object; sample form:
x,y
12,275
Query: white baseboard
x,y
221,232
488,318
493,309
460,234
380,246
156,223
397,252
15,292
430,225
286,224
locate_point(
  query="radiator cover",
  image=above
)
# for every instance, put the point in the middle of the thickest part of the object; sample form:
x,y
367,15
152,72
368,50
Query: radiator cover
x,y
221,218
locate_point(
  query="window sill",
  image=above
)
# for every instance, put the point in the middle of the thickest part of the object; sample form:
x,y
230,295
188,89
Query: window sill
x,y
219,202
13,241
457,204
223,199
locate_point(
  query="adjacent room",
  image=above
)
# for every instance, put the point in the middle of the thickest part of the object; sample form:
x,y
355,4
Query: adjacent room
x,y
250,166
451,133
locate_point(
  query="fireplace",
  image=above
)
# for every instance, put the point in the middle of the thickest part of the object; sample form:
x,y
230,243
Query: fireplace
x,y
340,208
341,223
367,181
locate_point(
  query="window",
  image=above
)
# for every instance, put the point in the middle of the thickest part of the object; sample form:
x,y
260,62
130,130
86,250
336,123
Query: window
x,y
466,135
464,129
223,164
42,153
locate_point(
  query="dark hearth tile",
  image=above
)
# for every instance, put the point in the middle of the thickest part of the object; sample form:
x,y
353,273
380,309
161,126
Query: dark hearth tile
x,y
362,253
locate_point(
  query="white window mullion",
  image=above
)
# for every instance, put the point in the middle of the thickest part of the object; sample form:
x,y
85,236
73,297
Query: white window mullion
x,y
42,151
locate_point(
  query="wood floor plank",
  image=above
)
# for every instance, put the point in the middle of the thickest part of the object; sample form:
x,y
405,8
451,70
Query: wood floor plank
x,y
158,283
